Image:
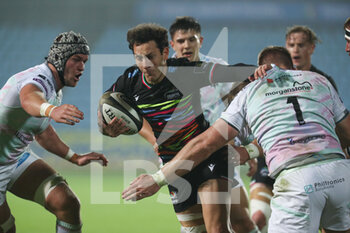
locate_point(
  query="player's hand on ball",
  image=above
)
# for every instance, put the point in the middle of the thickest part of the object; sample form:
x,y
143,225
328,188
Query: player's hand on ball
x,y
113,128
67,114
84,159
143,186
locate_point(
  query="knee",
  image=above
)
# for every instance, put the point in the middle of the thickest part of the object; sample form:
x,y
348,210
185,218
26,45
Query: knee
x,y
260,206
62,199
259,218
244,222
8,226
220,228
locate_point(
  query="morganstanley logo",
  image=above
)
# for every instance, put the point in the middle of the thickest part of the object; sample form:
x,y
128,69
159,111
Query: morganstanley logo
x,y
297,87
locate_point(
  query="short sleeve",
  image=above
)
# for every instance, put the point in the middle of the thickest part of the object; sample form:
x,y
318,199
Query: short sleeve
x,y
39,81
339,110
235,114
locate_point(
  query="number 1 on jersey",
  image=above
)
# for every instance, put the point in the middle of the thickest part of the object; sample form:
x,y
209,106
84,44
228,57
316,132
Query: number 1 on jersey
x,y
294,100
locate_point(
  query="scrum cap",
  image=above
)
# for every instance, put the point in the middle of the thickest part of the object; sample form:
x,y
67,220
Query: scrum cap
x,y
64,46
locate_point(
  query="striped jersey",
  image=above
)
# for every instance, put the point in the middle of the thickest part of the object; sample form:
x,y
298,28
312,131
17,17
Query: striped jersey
x,y
291,113
172,106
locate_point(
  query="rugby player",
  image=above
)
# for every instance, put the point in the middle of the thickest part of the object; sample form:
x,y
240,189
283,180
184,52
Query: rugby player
x,y
28,102
303,152
301,42
186,41
176,118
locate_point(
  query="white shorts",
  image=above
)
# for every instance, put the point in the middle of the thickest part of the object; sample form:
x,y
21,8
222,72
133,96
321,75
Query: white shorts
x,y
312,196
9,173
26,159
5,177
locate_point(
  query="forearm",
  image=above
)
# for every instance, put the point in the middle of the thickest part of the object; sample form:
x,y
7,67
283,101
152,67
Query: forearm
x,y
50,141
235,73
147,133
187,159
199,149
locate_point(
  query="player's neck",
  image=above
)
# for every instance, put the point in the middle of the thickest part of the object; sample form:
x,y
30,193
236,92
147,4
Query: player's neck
x,y
306,67
59,84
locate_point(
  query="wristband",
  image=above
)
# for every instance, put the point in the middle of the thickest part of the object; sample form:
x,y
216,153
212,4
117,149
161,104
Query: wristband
x,y
46,109
69,154
252,150
159,178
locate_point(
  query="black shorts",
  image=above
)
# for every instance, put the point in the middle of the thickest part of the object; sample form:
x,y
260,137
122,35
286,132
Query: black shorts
x,y
184,194
261,175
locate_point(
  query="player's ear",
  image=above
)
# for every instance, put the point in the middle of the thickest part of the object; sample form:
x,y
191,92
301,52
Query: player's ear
x,y
172,43
312,48
165,53
201,41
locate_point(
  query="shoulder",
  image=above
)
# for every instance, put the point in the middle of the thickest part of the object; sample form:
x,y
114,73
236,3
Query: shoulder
x,y
39,75
206,58
315,69
129,78
132,72
328,77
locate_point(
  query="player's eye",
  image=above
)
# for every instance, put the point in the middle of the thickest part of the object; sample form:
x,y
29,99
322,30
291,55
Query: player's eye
x,y
138,58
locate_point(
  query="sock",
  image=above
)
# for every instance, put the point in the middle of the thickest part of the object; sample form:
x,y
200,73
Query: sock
x,y
64,227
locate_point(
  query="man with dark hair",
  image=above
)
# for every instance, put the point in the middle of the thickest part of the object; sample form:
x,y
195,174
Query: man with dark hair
x,y
28,102
186,41
167,95
261,185
303,151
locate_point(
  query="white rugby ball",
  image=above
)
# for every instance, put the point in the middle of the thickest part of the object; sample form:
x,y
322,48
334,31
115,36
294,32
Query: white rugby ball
x,y
116,104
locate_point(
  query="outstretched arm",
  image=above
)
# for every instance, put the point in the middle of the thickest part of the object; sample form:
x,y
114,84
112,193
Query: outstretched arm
x,y
196,151
34,103
50,141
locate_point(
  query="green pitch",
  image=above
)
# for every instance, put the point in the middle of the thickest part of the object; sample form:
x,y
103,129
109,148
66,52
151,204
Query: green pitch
x,y
145,216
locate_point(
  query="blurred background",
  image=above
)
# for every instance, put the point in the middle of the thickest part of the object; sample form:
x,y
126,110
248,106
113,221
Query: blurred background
x,y
27,29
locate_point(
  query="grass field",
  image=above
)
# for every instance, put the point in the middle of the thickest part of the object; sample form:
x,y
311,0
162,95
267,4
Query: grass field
x,y
146,216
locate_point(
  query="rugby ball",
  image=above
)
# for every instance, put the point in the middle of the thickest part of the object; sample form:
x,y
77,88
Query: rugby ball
x,y
116,104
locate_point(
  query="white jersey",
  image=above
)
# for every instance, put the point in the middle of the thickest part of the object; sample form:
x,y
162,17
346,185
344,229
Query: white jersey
x,y
211,102
17,127
291,113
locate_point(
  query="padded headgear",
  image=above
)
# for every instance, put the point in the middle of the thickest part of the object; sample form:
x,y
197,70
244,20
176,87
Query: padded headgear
x,y
64,46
